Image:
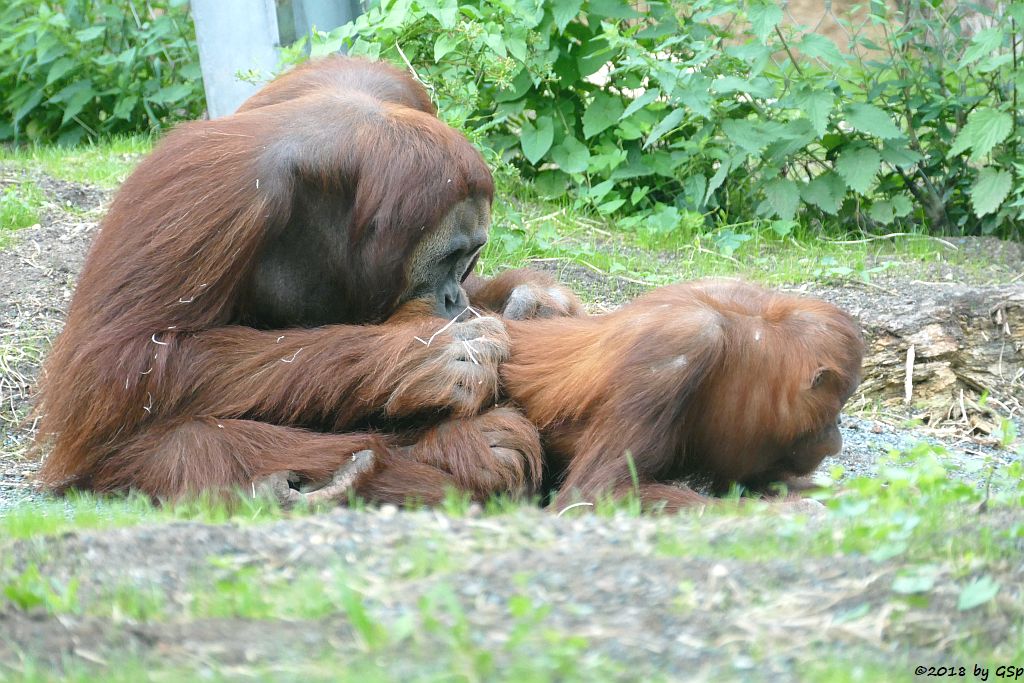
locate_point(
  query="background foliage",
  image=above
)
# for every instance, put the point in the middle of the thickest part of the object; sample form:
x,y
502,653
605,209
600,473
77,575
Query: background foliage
x,y
693,112
665,121
80,69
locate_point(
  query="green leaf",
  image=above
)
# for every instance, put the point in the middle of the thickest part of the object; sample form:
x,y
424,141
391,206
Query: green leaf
x,y
444,44
754,54
516,46
638,194
28,105
565,11
867,118
603,112
994,62
783,196
551,183
495,41
445,11
764,19
818,46
755,87
881,212
536,138
985,128
826,192
529,12
858,166
663,218
915,580
697,99
984,44
394,13
977,593
125,106
610,206
566,70
88,34
59,68
728,241
572,156
817,106
898,154
671,120
901,205
786,139
745,134
597,192
48,49
171,94
694,189
721,173
520,85
128,56
612,9
592,56
783,229
639,103
989,190
76,103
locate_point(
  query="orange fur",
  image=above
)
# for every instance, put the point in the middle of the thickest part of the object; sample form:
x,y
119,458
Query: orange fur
x,y
160,384
714,378
522,294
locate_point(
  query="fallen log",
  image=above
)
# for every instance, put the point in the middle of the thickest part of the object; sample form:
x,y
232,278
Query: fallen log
x,y
950,352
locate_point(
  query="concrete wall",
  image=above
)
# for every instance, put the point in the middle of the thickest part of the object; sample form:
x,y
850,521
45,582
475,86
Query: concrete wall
x,y
242,35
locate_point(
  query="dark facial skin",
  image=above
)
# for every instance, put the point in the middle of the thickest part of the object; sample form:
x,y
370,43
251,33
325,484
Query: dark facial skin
x,y
803,455
445,259
306,276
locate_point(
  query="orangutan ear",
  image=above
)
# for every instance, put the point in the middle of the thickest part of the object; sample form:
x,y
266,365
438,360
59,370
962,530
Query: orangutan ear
x,y
823,377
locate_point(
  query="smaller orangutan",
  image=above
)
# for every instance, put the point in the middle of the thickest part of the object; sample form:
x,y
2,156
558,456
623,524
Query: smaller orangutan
x,y
716,379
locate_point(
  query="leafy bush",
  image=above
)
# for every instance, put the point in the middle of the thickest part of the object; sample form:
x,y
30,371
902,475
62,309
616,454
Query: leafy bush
x,y
81,68
717,107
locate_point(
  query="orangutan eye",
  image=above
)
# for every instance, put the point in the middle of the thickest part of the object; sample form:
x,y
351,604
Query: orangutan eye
x,y
819,377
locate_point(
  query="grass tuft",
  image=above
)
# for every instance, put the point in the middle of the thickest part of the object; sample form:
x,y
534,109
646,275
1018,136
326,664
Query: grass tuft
x,y
105,164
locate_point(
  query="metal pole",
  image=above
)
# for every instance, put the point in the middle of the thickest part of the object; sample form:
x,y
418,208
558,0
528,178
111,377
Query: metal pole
x,y
234,36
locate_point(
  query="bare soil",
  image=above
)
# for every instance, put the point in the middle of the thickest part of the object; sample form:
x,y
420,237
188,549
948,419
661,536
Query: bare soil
x,y
615,581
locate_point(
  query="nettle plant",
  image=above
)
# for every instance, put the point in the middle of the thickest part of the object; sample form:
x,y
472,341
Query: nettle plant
x,y
721,108
82,69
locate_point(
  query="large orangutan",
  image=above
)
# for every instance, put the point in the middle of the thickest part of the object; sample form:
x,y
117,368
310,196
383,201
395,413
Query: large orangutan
x,y
234,321
716,379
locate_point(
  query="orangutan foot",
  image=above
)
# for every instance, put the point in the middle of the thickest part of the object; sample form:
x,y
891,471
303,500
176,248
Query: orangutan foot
x,y
336,491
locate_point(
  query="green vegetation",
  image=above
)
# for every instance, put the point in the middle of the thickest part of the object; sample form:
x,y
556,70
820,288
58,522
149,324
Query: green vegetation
x,y
436,643
688,117
20,205
31,590
78,69
905,510
715,111
105,163
87,511
528,230
913,547
708,148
